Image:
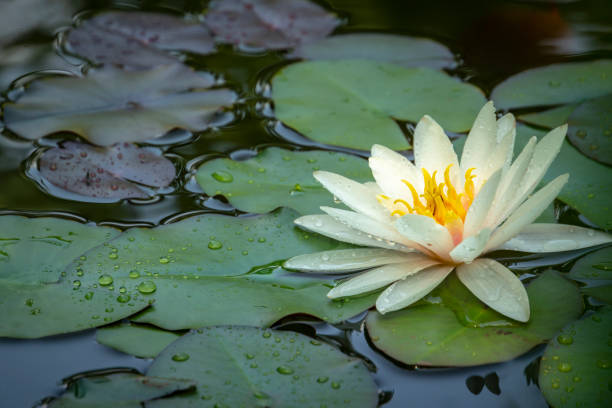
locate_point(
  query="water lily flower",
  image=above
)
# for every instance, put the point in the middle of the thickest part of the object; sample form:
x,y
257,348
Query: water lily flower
x,y
420,222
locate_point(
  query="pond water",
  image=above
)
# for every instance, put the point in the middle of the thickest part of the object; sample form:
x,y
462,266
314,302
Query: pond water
x,y
491,40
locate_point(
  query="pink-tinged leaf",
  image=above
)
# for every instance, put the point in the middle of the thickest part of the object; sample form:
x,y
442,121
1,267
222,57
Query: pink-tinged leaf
x,y
271,24
116,172
136,39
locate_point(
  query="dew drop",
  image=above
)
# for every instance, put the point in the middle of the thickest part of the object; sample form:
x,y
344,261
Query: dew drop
x,y
565,339
89,295
266,335
335,385
123,298
222,176
180,357
163,260
284,370
603,363
214,244
147,287
564,367
76,284
134,274
29,302
322,380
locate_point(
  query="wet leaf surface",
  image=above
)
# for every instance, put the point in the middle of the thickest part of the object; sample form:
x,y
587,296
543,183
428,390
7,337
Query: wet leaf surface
x,y
120,389
394,49
137,39
433,334
555,84
590,129
253,367
109,106
138,340
269,24
35,299
550,118
353,103
595,270
215,269
575,368
278,177
112,173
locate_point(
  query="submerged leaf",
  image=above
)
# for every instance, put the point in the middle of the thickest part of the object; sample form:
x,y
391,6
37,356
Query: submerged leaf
x,y
138,340
590,128
35,300
252,367
353,103
395,49
111,173
443,333
136,39
270,24
575,367
278,177
110,106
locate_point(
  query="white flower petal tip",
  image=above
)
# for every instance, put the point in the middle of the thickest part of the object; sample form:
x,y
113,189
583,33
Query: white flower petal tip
x,y
497,287
544,238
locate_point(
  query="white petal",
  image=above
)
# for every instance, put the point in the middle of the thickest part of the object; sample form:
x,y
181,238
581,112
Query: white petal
x,y
329,227
508,186
426,232
407,291
477,214
368,225
506,128
471,247
498,159
554,238
527,212
480,140
389,168
497,287
355,195
345,260
379,277
433,150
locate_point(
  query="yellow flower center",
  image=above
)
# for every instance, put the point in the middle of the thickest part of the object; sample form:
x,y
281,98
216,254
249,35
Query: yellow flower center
x,y
438,201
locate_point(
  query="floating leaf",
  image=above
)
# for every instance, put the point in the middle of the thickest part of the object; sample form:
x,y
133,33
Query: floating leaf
x,y
278,177
352,103
550,118
269,24
590,128
432,334
138,340
34,300
575,367
136,39
214,269
252,367
395,49
103,389
110,106
555,84
111,173
595,269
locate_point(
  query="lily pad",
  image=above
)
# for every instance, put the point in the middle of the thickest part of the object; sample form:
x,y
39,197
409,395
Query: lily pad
x,y
108,173
555,84
575,367
353,103
433,335
549,118
395,49
137,39
252,367
120,389
590,129
269,24
34,299
595,269
110,106
215,269
135,339
278,177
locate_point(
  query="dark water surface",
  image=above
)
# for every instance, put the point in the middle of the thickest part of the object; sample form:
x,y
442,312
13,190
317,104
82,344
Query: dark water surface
x,y
491,40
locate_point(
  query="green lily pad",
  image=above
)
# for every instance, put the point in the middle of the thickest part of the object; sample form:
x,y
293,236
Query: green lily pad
x,y
137,340
215,269
433,335
590,129
555,84
110,105
353,103
575,368
395,49
34,299
595,269
278,177
251,367
116,389
549,118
